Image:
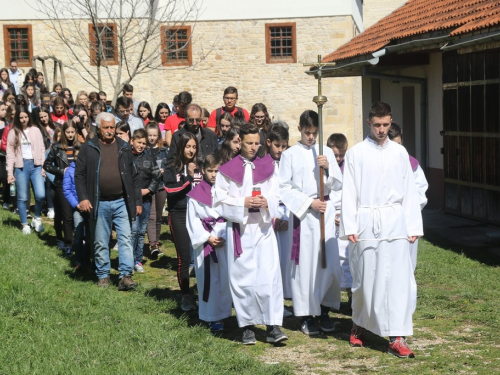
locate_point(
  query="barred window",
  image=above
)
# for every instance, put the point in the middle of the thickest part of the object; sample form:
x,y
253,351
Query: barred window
x,y
106,35
18,44
281,43
176,46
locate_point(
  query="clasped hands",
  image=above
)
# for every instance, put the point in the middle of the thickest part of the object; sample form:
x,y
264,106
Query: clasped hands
x,y
258,201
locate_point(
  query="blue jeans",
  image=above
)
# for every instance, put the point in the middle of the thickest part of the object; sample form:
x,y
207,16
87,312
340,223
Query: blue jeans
x,y
108,213
23,176
139,227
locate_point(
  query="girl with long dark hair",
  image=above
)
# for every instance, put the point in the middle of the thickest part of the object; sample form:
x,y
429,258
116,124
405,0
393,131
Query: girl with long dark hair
x,y
60,114
60,156
47,128
25,156
161,114
145,113
5,83
181,175
230,147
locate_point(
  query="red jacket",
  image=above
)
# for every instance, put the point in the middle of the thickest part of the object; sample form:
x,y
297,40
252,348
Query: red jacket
x,y
3,144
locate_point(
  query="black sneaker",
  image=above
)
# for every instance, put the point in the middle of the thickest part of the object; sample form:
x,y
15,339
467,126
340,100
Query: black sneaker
x,y
154,250
248,337
274,335
126,283
325,324
308,327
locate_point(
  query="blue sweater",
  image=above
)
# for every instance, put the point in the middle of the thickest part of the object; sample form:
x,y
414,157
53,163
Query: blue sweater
x,y
69,187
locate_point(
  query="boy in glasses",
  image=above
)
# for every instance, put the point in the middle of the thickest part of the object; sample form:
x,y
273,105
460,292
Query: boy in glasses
x,y
230,98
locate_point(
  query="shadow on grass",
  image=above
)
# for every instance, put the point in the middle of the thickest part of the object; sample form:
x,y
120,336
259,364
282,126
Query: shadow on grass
x,y
164,262
481,254
10,222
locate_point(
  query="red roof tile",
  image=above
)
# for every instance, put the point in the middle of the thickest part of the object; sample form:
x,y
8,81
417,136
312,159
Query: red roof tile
x,y
419,17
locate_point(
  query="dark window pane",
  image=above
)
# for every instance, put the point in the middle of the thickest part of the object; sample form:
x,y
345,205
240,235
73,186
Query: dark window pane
x,y
492,65
464,159
464,109
477,108
477,159
477,66
281,42
464,68
492,105
450,110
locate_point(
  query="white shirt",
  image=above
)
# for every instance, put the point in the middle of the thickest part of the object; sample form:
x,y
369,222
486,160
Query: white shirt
x,y
26,146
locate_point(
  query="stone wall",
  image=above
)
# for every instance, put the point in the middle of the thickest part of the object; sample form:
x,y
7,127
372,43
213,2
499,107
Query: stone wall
x,y
236,57
374,10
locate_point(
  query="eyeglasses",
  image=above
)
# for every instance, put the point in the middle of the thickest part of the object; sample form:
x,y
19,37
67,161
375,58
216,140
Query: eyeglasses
x,y
260,117
230,99
193,120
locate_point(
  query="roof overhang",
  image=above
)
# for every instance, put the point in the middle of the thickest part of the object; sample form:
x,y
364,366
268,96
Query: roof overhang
x,y
354,67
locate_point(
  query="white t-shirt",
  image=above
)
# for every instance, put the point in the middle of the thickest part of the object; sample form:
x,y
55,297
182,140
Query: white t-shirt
x,y
26,146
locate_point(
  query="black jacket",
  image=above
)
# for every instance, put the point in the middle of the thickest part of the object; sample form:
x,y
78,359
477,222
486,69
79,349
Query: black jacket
x,y
159,153
208,144
87,175
56,162
149,174
177,185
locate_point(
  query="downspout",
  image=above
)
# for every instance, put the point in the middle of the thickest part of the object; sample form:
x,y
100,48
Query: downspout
x,y
423,103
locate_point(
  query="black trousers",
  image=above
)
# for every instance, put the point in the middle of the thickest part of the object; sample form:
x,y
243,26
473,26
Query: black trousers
x,y
182,242
5,192
63,217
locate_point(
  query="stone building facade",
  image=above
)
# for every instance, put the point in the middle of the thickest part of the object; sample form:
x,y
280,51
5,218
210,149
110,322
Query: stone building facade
x,y
237,57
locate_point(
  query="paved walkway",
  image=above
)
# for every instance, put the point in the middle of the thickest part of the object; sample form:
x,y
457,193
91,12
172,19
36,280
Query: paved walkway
x,y
463,234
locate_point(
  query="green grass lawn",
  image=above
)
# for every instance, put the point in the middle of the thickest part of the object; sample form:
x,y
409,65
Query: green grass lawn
x,y
56,321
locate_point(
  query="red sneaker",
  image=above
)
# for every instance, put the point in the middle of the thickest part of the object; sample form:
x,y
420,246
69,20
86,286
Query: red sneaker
x,y
357,336
400,348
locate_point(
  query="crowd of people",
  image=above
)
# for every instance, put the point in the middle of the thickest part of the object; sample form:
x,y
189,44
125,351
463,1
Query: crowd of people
x,y
248,209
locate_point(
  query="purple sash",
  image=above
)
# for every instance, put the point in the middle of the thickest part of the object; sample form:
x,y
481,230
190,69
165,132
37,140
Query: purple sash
x,y
296,237
237,240
208,251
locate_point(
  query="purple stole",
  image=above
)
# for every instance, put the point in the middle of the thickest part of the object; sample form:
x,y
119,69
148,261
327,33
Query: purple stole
x,y
202,194
341,166
262,170
413,163
296,237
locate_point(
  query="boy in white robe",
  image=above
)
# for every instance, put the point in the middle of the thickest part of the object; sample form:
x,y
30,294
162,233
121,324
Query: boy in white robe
x,y
207,231
314,289
338,143
246,195
396,135
381,217
276,144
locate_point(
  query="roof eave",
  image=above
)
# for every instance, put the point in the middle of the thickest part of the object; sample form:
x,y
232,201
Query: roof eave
x,y
346,68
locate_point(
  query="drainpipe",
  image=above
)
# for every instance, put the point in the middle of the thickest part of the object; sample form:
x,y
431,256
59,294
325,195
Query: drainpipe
x,y
423,105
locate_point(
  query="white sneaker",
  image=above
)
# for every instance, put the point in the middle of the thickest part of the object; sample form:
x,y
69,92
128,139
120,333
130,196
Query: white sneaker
x,y
26,229
61,245
36,223
50,213
6,206
138,268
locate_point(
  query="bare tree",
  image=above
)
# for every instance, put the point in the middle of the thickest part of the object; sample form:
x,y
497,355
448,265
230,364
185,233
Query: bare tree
x,y
114,41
